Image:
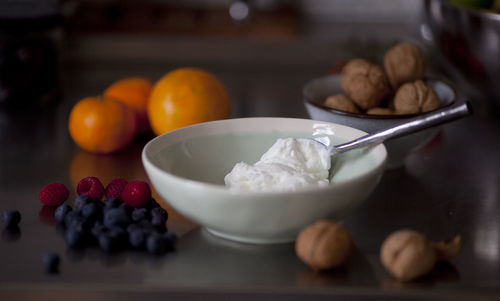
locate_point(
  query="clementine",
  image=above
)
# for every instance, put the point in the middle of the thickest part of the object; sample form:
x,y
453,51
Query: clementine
x,y
186,96
134,92
101,125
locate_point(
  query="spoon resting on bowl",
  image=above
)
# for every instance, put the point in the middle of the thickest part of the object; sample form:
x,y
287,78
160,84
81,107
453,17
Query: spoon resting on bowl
x,y
292,163
412,126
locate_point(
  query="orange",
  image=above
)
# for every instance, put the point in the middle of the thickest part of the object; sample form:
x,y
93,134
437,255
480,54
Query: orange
x,y
186,96
101,125
134,92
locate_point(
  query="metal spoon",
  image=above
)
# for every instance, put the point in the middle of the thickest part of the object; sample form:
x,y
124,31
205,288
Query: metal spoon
x,y
412,126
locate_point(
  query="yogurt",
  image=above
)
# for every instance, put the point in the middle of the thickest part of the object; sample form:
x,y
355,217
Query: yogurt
x,y
288,165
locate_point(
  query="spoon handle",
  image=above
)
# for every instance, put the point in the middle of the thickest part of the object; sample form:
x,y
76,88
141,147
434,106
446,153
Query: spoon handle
x,y
414,125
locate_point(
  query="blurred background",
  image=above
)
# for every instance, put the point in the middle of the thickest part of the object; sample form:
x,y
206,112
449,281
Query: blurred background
x,y
95,42
49,47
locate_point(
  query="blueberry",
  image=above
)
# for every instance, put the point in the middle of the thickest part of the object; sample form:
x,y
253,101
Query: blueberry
x,y
81,201
158,223
11,218
146,226
140,214
156,244
133,227
110,242
50,262
171,240
91,211
152,204
116,217
113,202
137,238
119,233
128,209
106,242
61,212
170,236
97,229
159,211
70,217
78,222
75,238
105,209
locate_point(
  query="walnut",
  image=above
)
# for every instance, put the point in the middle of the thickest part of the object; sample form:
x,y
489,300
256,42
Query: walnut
x,y
404,62
324,245
380,111
365,83
342,103
448,249
415,97
407,254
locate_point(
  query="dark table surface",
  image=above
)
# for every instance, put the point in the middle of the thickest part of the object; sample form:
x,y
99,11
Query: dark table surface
x,y
449,187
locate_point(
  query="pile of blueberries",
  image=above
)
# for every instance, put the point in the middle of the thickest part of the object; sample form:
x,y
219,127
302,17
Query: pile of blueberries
x,y
113,225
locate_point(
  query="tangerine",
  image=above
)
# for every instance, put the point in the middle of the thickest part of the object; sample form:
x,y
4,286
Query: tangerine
x,y
101,125
186,96
134,92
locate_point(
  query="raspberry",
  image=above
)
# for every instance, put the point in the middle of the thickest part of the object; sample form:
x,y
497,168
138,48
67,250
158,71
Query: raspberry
x,y
115,187
90,186
136,194
53,194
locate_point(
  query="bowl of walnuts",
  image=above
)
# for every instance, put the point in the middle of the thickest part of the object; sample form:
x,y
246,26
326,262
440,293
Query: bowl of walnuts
x,y
372,97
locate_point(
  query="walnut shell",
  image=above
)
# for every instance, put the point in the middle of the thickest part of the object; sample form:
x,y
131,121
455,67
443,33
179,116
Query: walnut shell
x,y
324,245
404,62
447,249
342,103
407,255
365,83
380,111
415,97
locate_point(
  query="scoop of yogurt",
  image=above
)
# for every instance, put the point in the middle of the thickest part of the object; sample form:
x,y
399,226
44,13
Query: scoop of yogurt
x,y
288,165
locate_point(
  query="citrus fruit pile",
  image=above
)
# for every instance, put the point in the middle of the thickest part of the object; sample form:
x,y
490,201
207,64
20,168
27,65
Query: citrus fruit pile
x,y
136,106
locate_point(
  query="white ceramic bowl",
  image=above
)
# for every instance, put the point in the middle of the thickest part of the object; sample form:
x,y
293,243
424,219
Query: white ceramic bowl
x,y
317,90
187,168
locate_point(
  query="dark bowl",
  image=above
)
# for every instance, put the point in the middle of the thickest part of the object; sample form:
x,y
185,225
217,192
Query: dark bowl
x,y
317,90
469,41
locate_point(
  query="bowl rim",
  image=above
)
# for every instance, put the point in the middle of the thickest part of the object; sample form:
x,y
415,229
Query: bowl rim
x,y
475,11
314,103
215,188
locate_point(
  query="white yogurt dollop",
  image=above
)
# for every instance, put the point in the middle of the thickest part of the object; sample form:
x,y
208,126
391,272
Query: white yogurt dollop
x,y
288,165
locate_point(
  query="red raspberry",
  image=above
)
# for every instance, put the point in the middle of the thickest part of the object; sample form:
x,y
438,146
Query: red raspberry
x,y
136,194
90,186
53,194
115,187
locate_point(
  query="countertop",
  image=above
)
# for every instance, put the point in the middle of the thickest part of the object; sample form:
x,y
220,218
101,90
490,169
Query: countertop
x,y
449,187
